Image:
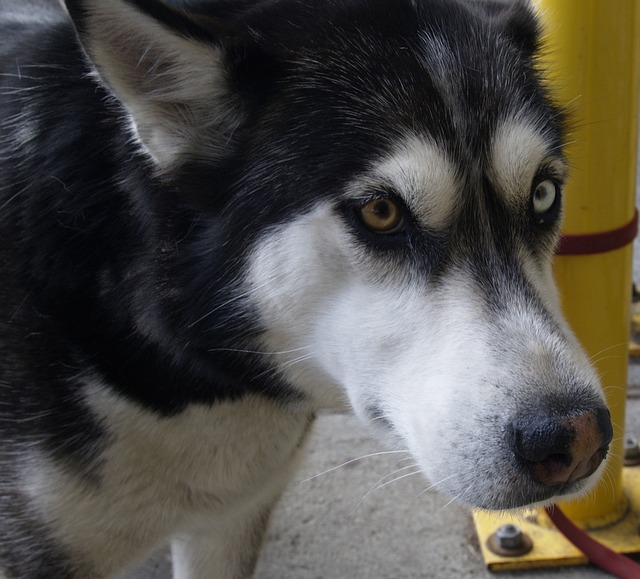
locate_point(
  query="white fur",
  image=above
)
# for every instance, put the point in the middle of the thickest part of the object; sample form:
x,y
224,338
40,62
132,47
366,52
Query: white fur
x,y
518,151
422,173
427,360
203,475
314,248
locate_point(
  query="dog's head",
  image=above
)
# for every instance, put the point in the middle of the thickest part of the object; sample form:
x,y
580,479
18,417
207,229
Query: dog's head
x,y
371,192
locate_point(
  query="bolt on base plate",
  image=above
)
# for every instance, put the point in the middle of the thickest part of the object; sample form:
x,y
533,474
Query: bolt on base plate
x,y
509,541
550,548
631,451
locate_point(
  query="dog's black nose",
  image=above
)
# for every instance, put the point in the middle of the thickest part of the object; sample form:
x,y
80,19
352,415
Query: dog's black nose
x,y
557,450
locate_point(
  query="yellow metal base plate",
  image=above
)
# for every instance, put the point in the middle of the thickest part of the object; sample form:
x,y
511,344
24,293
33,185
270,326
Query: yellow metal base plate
x,y
550,547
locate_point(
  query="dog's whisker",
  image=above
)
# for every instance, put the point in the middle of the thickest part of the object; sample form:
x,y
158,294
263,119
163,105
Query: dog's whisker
x,y
613,387
602,375
259,352
391,474
456,475
239,296
595,357
378,486
13,198
18,76
616,438
455,499
435,485
281,367
42,66
351,461
400,461
604,358
298,360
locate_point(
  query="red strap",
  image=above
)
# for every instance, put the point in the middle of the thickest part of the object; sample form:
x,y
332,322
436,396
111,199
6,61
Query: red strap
x,y
589,243
612,562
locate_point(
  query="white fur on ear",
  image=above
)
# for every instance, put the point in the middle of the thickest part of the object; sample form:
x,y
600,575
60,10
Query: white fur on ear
x,y
173,86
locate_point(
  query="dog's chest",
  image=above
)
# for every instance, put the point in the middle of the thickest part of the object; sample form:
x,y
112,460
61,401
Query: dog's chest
x,y
223,450
158,474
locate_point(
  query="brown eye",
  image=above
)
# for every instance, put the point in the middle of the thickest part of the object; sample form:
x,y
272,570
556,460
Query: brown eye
x,y
382,216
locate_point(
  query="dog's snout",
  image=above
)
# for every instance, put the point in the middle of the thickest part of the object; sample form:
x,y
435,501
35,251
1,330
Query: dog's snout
x,y
557,450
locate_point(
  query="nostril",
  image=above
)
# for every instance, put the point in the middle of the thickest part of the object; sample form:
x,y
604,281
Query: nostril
x,y
537,439
603,417
561,458
557,450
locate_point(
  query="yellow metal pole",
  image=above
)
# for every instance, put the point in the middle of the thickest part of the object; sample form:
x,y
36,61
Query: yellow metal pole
x,y
593,65
593,59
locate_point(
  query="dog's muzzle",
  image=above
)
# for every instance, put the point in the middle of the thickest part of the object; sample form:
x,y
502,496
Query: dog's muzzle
x,y
557,450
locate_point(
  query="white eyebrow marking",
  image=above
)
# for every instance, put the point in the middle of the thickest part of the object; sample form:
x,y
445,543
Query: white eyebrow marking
x,y
421,172
518,150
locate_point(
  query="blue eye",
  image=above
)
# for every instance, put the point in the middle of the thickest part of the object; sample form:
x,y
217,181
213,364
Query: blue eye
x,y
544,197
545,201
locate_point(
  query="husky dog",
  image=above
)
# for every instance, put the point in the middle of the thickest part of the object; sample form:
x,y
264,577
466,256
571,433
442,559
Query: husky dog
x,y
218,218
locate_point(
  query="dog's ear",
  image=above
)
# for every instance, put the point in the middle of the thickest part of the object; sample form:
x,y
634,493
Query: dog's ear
x,y
518,21
522,25
170,70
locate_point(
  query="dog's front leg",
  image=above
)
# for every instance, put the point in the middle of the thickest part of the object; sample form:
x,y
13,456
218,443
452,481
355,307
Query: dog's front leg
x,y
227,550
